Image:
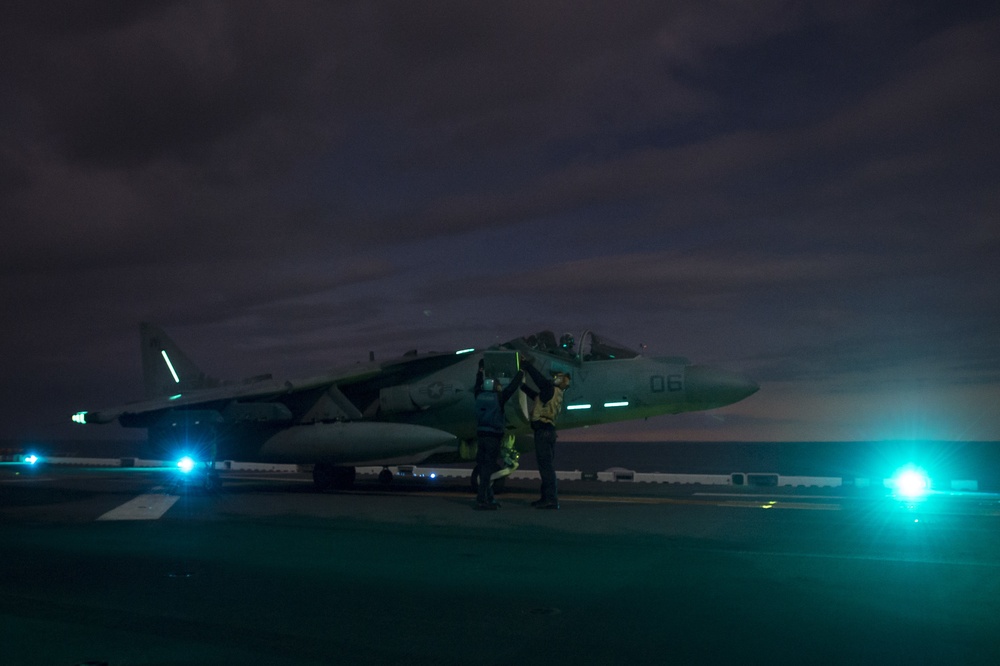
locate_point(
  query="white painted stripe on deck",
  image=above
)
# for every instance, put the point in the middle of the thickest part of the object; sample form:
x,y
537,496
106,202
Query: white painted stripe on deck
x,y
143,507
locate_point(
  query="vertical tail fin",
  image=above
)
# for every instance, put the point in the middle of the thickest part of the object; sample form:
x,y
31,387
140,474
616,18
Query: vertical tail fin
x,y
166,370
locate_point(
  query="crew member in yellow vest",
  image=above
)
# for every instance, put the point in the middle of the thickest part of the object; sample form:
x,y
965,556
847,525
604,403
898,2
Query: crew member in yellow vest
x,y
548,405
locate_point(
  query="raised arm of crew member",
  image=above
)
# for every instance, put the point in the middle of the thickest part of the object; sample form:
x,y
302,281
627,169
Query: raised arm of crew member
x,y
477,388
511,389
546,388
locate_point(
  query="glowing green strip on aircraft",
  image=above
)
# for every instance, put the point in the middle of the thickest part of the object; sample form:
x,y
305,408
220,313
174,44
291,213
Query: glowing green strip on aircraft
x,y
170,365
583,406
623,403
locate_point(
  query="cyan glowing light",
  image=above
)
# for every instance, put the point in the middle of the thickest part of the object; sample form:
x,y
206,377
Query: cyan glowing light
x,y
32,459
170,365
620,403
911,482
465,351
185,464
80,417
174,397
581,406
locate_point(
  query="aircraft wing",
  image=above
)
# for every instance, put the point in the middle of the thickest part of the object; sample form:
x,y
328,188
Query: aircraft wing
x,y
260,392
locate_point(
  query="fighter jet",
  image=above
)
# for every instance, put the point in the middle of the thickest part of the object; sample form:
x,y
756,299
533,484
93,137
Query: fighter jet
x,y
418,408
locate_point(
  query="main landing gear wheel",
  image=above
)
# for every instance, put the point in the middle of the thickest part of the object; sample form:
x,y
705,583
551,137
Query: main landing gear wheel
x,y
331,477
385,477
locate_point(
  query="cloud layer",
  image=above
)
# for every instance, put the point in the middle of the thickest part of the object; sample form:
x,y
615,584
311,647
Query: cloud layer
x,y
803,192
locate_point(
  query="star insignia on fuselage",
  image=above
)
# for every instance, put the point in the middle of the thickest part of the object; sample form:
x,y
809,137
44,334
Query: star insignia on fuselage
x,y
434,391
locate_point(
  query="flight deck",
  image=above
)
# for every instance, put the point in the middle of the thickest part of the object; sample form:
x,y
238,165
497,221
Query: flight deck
x,y
134,565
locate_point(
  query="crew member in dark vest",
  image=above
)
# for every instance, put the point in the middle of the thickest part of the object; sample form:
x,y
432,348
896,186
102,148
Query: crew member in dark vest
x,y
491,397
548,404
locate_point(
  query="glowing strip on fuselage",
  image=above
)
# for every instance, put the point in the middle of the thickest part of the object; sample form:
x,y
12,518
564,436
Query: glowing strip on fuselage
x,y
465,351
170,365
623,403
583,406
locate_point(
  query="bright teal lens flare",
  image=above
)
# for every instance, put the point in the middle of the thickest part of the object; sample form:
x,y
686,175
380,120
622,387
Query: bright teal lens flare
x,y
911,482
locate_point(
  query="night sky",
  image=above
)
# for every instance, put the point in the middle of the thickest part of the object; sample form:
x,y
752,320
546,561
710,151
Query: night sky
x,y
808,193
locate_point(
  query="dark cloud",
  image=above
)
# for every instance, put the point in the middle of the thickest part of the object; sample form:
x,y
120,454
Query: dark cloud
x,y
804,191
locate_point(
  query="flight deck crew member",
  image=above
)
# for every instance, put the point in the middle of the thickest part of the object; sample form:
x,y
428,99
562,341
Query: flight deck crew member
x,y
548,403
491,423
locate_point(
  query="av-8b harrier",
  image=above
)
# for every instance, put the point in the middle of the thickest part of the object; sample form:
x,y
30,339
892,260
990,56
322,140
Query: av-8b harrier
x,y
414,409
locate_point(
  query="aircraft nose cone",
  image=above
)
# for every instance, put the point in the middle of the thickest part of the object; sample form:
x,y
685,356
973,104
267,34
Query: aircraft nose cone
x,y
712,387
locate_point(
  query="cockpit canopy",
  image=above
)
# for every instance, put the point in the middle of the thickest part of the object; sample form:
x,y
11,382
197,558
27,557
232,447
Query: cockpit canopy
x,y
591,347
